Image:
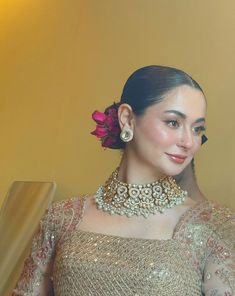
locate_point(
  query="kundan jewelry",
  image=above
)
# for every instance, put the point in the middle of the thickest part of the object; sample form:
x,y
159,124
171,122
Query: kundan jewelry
x,y
117,197
126,135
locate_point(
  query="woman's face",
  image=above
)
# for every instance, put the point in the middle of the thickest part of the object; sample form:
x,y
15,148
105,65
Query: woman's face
x,y
169,133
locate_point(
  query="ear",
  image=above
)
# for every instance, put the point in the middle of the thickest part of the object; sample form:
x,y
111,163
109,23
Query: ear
x,y
125,116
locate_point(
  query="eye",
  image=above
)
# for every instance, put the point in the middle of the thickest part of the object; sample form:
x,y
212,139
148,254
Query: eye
x,y
172,123
198,130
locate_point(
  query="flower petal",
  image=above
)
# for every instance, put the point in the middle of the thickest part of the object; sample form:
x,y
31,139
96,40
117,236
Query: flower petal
x,y
115,130
100,131
99,117
107,142
109,120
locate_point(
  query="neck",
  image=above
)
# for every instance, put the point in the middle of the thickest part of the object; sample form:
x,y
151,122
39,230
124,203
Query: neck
x,y
117,197
187,181
134,171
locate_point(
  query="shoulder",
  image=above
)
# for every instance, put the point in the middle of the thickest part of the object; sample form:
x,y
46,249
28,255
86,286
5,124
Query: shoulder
x,y
208,212
218,218
205,218
222,222
63,216
207,227
73,204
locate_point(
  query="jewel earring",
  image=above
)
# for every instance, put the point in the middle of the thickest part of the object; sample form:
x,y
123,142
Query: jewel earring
x,y
126,135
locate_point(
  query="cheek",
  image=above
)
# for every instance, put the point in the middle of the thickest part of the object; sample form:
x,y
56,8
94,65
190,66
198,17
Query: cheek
x,y
197,145
162,136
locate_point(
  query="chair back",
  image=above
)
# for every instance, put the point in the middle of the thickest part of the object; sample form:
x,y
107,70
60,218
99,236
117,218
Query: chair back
x,y
20,214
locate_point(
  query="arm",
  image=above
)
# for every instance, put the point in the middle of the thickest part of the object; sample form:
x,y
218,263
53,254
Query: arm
x,y
35,277
60,220
219,272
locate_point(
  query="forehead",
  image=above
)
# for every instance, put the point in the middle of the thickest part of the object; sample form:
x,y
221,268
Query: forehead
x,y
184,99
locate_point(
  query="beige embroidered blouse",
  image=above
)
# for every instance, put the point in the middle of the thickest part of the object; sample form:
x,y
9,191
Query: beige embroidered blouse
x,y
198,260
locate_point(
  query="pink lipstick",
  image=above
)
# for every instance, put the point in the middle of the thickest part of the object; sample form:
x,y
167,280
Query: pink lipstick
x,y
177,158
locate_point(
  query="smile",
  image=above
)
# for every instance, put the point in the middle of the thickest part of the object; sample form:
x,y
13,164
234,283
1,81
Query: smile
x,y
176,158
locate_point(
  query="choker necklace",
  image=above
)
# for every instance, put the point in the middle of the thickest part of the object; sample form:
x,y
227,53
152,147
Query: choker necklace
x,y
117,197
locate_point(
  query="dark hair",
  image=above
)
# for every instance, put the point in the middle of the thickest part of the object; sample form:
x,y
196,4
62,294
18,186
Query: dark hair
x,y
148,85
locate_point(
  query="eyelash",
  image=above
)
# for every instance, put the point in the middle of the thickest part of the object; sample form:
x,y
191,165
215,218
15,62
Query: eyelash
x,y
171,123
175,124
199,129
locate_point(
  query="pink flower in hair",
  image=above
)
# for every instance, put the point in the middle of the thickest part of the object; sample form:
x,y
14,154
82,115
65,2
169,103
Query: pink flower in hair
x,y
107,142
110,121
107,128
99,117
100,131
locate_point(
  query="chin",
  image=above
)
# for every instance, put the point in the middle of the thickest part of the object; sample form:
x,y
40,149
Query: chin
x,y
175,171
171,168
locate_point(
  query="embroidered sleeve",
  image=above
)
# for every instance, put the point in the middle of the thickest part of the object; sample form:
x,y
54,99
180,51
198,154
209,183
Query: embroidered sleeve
x,y
36,277
219,271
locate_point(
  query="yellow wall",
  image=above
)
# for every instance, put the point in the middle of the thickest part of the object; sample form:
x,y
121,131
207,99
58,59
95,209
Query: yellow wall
x,y
60,60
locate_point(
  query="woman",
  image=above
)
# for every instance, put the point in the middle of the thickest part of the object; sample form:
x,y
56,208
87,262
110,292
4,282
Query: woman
x,y
141,234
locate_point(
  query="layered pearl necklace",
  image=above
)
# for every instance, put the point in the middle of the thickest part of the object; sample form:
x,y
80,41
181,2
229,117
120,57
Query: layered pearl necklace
x,y
117,197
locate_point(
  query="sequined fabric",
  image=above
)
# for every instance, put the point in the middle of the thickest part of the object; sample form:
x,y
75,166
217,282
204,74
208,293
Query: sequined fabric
x,y
198,260
105,264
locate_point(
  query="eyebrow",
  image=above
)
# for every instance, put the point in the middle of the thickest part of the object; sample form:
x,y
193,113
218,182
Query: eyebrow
x,y
182,115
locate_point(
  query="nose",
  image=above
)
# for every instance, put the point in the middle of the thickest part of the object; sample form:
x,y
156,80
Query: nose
x,y
186,139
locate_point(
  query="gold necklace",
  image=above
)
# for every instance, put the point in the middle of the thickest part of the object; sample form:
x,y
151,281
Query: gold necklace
x,y
117,197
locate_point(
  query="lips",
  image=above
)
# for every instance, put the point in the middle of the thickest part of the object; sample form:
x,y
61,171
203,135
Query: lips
x,y
177,158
